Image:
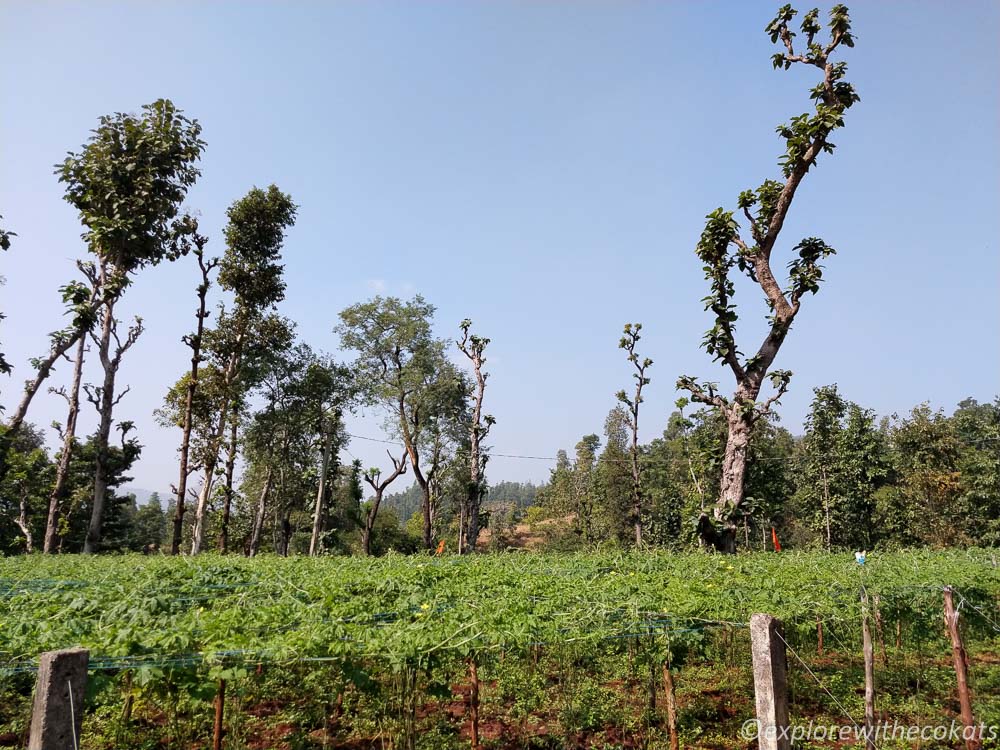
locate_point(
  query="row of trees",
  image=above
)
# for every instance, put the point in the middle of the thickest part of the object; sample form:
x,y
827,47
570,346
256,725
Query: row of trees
x,y
252,389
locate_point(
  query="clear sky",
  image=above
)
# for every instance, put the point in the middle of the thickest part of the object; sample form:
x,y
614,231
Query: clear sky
x,y
540,167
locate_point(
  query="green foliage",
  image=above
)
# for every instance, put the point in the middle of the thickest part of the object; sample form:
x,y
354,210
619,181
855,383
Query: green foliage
x,y
713,250
842,464
396,349
413,611
128,183
118,530
251,266
978,428
28,479
805,273
302,397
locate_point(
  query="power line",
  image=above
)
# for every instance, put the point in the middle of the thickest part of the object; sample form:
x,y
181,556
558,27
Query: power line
x,y
644,460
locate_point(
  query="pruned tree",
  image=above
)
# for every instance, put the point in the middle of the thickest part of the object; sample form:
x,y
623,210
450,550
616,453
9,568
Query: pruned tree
x,y
194,342
128,183
373,477
629,341
721,248
251,269
474,348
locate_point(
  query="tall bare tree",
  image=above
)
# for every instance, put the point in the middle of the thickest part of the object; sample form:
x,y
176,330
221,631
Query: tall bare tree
x,y
474,347
722,247
194,342
630,338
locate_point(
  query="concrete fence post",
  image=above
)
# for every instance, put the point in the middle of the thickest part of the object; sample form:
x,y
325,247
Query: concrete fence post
x,y
57,711
770,682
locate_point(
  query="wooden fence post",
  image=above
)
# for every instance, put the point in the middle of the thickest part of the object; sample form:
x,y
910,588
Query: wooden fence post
x,y
670,695
869,654
218,729
474,701
961,662
57,710
770,682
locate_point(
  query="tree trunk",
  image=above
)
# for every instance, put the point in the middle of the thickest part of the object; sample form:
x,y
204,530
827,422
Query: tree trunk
x,y
370,516
670,696
227,507
470,534
425,506
318,512
463,524
366,540
204,494
258,521
286,532
722,534
198,534
636,491
826,509
211,461
58,495
105,409
24,525
195,343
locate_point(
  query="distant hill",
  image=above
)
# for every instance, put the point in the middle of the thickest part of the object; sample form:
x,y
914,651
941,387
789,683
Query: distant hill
x,y
519,494
142,495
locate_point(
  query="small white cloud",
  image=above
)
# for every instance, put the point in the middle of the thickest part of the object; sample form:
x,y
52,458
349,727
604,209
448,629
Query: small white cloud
x,y
377,285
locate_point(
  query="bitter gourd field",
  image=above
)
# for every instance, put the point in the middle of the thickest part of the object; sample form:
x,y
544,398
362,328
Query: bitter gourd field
x,y
554,650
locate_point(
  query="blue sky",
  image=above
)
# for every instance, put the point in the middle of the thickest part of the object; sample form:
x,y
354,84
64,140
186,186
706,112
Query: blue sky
x,y
543,168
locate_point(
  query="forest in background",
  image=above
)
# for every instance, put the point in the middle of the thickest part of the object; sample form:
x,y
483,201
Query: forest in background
x,y
850,480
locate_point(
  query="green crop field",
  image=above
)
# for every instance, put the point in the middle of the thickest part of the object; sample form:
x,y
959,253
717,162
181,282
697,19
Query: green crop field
x,y
569,649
